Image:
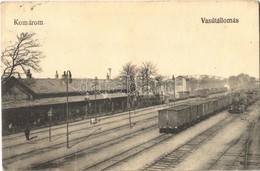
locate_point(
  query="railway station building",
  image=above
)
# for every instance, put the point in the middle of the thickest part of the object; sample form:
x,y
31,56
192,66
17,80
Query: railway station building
x,y
28,101
179,86
37,102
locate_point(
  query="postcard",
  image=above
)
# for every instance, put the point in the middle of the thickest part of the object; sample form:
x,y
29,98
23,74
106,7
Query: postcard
x,y
130,85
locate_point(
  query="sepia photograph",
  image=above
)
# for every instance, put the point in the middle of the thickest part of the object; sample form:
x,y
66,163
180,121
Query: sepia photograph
x,y
130,85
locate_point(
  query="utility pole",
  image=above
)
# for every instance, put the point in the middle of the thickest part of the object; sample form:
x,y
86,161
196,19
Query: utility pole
x,y
87,105
67,78
173,79
96,82
128,104
109,69
50,120
259,51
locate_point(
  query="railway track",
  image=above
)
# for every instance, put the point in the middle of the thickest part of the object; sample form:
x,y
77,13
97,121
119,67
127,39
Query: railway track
x,y
71,127
252,159
109,163
41,150
172,159
234,156
86,127
242,153
81,152
75,141
247,146
86,151
74,131
117,160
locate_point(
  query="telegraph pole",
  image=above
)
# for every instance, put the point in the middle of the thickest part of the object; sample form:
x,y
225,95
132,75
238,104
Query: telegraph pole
x,y
173,79
96,82
128,104
50,120
109,69
67,78
259,50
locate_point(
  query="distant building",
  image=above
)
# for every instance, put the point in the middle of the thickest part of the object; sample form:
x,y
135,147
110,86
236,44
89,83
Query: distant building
x,y
180,86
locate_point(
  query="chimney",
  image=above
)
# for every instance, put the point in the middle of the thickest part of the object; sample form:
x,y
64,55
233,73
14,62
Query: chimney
x,y
57,75
107,76
28,74
110,73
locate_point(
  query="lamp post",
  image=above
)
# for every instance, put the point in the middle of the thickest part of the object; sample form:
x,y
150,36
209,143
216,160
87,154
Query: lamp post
x,y
67,78
87,103
128,104
173,79
96,82
197,86
50,120
134,102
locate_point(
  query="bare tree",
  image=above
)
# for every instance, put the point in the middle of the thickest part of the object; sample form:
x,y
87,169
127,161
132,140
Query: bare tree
x,y
146,72
23,54
159,82
129,70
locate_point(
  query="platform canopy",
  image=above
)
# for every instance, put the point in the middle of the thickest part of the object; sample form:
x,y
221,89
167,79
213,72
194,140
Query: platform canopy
x,y
60,100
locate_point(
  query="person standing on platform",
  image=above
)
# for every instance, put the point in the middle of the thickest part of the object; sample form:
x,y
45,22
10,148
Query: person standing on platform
x,y
27,133
10,127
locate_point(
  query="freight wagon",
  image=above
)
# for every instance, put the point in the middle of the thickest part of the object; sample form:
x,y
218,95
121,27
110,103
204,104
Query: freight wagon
x,y
207,108
196,109
203,93
176,118
206,92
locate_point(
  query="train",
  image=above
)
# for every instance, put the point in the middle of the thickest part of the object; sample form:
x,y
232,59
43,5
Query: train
x,y
238,105
241,100
206,92
176,118
203,93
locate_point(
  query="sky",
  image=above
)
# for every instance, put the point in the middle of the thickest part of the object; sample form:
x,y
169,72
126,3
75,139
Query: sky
x,y
87,38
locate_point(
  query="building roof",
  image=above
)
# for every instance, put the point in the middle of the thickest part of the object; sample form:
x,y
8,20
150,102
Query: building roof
x,y
58,100
81,86
53,91
184,77
180,77
195,103
9,83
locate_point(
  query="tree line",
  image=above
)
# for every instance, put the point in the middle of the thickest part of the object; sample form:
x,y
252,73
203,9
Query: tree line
x,y
24,55
242,81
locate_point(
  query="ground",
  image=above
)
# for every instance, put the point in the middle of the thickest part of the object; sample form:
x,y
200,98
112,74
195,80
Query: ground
x,y
113,144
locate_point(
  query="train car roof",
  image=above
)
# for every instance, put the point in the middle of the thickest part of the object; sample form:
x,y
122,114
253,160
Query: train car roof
x,y
195,103
180,107
214,99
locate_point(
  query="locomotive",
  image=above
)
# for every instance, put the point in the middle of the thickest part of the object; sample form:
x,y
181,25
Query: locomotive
x,y
239,103
242,100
